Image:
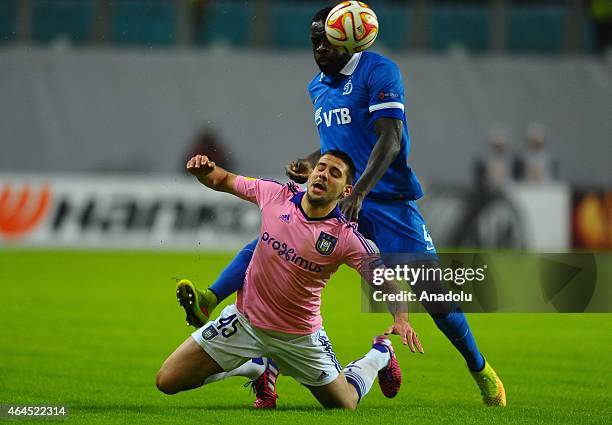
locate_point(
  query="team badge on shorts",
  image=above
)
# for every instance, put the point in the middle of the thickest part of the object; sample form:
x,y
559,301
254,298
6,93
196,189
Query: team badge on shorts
x,y
209,333
326,243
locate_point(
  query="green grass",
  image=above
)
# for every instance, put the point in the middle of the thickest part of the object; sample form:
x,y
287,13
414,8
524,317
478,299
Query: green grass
x,y
89,330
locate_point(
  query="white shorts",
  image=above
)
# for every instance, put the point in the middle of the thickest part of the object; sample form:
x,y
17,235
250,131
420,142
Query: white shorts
x,y
231,341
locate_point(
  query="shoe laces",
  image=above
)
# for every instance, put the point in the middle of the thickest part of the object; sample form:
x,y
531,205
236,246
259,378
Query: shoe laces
x,y
259,386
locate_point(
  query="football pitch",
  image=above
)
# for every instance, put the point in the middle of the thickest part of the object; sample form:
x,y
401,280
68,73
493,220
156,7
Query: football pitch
x,y
89,330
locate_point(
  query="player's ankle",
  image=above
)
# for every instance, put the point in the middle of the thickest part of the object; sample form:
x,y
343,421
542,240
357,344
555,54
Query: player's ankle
x,y
258,368
382,348
210,296
477,367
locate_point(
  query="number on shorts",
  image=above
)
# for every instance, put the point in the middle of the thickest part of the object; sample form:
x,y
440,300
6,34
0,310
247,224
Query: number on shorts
x,y
224,322
428,239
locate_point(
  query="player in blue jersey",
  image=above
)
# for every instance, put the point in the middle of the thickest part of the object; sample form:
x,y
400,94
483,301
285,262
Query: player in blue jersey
x,y
358,104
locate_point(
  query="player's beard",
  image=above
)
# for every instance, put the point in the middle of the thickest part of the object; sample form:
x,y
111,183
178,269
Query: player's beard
x,y
329,68
317,201
334,64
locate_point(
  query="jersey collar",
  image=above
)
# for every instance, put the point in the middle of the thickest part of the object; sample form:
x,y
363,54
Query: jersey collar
x,y
347,70
350,66
297,200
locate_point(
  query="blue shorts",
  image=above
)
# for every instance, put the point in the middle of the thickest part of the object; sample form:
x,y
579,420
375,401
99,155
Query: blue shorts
x,y
395,227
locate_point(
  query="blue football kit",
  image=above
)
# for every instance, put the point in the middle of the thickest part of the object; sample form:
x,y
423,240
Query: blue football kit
x,y
346,105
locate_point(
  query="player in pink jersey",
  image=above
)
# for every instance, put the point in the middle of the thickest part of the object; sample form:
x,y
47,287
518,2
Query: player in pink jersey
x,y
303,240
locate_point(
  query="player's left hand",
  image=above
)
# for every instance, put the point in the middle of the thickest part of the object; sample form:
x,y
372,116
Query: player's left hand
x,y
351,205
200,165
407,334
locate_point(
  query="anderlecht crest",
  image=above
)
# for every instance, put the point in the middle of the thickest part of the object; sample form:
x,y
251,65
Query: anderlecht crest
x,y
326,243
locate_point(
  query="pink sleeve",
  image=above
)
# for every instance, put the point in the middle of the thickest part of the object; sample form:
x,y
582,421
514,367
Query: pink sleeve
x,y
359,254
258,191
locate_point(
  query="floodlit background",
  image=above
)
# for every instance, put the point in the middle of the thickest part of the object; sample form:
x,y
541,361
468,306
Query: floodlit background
x,y
509,105
514,97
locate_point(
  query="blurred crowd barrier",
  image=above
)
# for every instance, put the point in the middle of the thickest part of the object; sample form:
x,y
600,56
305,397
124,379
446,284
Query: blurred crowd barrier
x,y
156,212
132,111
550,26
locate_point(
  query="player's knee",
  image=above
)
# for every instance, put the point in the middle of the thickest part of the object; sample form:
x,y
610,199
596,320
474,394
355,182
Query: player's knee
x,y
166,383
352,405
348,405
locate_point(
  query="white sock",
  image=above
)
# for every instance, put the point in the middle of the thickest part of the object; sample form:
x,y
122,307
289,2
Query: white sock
x,y
251,369
362,373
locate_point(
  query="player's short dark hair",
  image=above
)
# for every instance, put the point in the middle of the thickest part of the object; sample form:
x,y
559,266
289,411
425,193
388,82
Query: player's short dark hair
x,y
350,165
321,14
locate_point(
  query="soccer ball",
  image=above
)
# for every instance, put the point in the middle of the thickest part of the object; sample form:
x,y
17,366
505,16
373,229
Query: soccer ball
x,y
352,25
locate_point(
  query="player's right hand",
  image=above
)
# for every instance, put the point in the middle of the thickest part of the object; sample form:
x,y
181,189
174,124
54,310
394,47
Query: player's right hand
x,y
402,327
298,171
200,165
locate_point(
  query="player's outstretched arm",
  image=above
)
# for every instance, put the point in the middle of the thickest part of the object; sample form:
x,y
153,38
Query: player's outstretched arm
x,y
210,175
388,146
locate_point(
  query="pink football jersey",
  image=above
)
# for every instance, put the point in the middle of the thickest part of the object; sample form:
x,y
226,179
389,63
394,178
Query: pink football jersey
x,y
294,258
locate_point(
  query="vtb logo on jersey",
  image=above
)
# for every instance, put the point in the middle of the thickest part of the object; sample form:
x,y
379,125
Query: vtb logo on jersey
x,y
326,243
340,116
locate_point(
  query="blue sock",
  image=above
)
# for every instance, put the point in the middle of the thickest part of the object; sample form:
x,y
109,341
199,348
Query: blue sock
x,y
232,277
455,326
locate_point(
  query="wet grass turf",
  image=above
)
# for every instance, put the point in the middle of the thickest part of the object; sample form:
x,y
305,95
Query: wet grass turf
x,y
89,330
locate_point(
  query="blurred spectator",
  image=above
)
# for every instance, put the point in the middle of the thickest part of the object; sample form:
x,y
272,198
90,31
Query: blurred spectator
x,y
496,169
207,142
536,164
601,13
